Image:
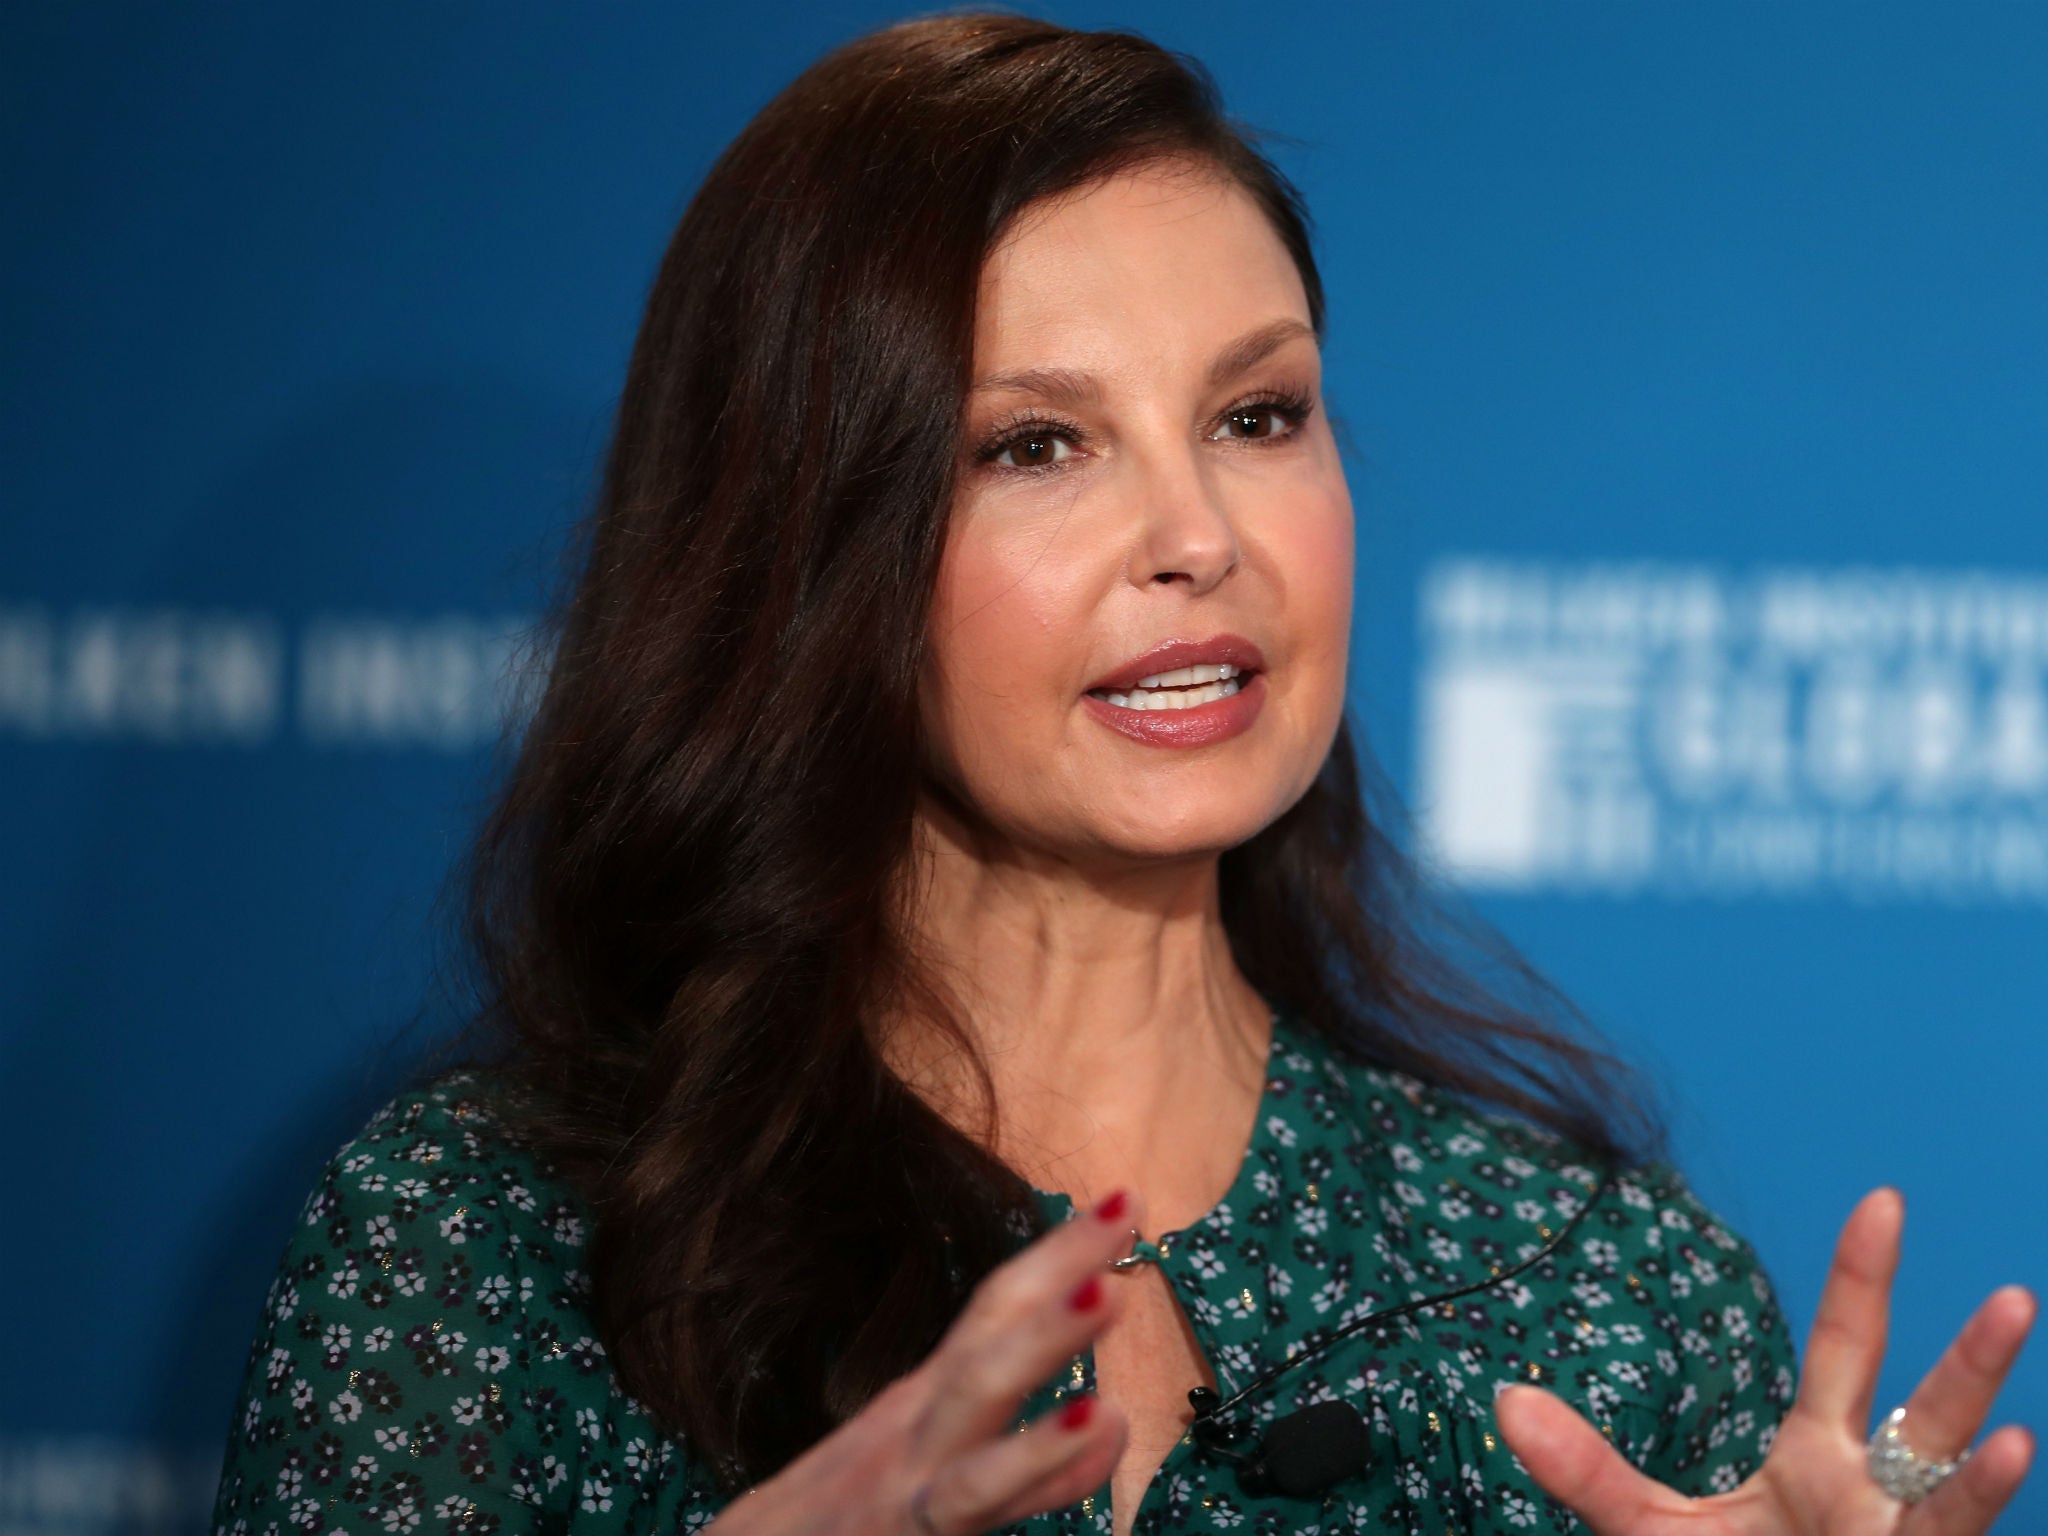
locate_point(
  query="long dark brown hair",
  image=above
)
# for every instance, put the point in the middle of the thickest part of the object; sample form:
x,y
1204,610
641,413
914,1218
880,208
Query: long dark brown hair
x,y
679,906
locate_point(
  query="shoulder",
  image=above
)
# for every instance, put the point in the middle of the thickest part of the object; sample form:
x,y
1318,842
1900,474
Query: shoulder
x,y
435,1168
426,1345
1655,1316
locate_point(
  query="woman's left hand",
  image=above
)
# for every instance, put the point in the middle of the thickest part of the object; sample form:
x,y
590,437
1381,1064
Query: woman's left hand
x,y
1815,1481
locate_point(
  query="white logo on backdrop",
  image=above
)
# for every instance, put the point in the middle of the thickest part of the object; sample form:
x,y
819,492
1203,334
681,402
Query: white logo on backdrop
x,y
178,677
84,1487
1881,734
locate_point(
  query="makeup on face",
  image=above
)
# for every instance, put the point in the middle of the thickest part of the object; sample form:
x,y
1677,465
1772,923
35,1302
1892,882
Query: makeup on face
x,y
1184,693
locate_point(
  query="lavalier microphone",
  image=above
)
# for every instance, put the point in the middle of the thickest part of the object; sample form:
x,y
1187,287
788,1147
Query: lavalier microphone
x,y
1305,1452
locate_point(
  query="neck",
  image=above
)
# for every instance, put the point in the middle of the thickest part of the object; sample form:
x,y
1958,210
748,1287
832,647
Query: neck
x,y
1123,1043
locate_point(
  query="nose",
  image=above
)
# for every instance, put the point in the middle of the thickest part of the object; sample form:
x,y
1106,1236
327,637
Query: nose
x,y
1185,532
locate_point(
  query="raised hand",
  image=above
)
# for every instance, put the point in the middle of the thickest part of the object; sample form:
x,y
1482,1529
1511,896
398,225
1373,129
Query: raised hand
x,y
945,1427
1815,1481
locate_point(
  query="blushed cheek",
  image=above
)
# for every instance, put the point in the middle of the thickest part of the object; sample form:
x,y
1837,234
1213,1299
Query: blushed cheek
x,y
995,657
1320,555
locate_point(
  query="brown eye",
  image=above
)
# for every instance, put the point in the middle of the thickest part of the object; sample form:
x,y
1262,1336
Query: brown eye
x,y
1034,450
1249,417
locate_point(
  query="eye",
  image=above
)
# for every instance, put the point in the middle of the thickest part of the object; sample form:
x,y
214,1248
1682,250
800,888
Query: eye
x,y
1263,419
1032,449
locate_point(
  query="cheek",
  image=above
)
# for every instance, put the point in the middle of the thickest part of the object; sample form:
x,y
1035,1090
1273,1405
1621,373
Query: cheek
x,y
1314,562
1005,615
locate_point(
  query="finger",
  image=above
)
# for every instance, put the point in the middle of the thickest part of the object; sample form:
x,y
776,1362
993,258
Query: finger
x,y
1846,1346
1025,1320
1954,1399
1062,1456
1573,1463
1967,1503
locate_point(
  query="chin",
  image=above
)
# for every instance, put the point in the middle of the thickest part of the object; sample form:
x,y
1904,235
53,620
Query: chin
x,y
1205,827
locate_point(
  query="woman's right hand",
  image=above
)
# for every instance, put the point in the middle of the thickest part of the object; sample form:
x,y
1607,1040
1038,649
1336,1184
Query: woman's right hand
x,y
948,1421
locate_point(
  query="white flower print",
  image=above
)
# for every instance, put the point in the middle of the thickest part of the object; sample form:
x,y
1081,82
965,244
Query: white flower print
x,y
453,1276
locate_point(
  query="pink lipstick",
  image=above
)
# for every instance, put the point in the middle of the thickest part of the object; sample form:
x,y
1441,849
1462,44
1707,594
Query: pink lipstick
x,y
1185,693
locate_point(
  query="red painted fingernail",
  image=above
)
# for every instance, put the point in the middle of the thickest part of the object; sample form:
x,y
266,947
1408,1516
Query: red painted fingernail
x,y
1112,1205
1076,1412
1087,1295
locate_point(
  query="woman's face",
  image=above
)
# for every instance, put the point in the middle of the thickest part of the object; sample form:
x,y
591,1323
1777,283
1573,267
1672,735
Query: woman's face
x,y
1148,484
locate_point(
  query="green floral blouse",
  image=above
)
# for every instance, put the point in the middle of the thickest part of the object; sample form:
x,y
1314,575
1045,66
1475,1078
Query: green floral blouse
x,y
425,1360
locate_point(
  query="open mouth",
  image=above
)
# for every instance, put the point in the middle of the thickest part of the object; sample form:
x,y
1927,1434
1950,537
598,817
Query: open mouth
x,y
1181,688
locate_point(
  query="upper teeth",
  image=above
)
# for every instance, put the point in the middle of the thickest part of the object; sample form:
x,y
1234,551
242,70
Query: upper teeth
x,y
1188,677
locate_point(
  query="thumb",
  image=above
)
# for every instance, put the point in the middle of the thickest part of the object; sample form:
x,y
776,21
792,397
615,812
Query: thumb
x,y
1573,1463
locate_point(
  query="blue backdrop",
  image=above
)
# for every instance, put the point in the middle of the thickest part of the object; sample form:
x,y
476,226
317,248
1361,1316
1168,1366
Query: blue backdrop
x,y
1693,362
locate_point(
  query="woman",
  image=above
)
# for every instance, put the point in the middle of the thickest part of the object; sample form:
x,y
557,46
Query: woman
x,y
955,1054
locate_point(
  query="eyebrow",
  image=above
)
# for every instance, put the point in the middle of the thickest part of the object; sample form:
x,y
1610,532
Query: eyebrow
x,y
1075,387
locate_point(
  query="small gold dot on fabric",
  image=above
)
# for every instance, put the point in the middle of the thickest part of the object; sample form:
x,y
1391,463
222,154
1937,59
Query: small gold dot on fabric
x,y
1246,1293
1607,1430
1313,1194
1488,1438
1585,1325
1165,1246
1493,1269
1450,1309
1434,1424
1543,1229
437,1324
555,1348
353,1376
1080,1373
1535,1371
1208,1501
1088,1504
1632,1280
492,1392
414,1448
384,1261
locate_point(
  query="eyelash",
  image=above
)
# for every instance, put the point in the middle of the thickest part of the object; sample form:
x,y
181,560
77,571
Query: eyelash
x,y
1292,405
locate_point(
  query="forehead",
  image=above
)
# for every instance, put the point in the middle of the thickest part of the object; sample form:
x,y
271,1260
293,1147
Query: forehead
x,y
1163,258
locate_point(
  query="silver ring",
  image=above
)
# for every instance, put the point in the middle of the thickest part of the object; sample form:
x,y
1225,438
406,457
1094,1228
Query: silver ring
x,y
919,1515
1130,1260
1899,1470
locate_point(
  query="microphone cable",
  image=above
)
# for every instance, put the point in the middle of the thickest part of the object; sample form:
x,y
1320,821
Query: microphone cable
x,y
1306,1451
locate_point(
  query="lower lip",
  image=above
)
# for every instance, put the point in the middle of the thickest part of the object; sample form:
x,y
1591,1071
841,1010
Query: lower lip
x,y
1201,726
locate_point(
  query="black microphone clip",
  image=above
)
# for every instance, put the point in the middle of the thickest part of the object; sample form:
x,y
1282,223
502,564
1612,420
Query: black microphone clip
x,y
1304,1453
